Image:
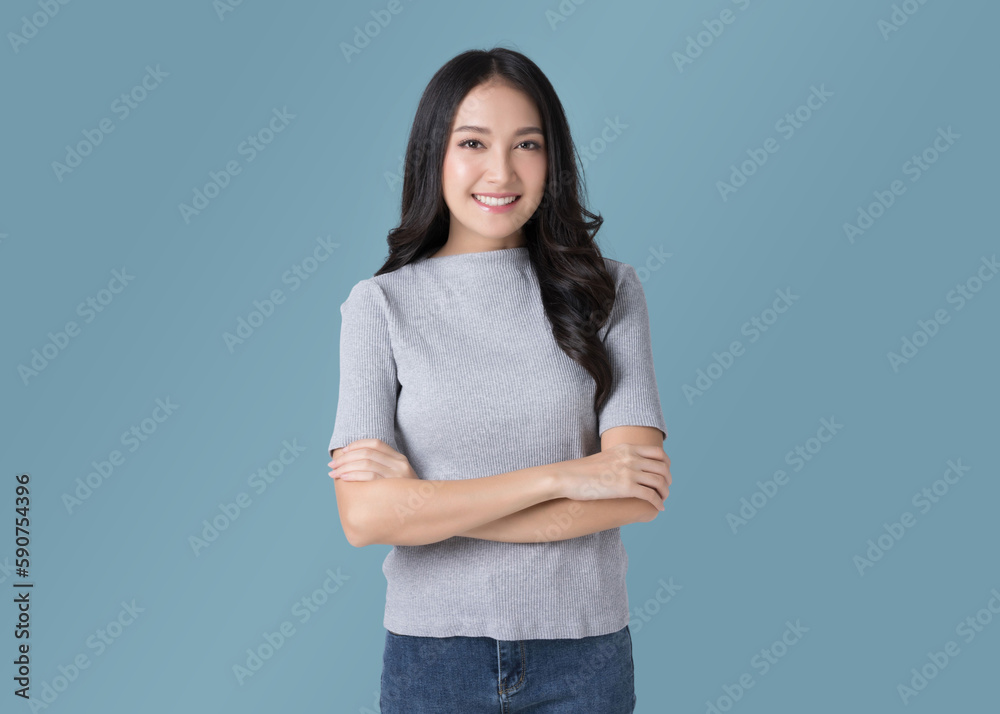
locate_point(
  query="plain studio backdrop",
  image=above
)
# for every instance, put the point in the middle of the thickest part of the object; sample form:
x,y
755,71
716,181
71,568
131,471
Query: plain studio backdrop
x,y
189,191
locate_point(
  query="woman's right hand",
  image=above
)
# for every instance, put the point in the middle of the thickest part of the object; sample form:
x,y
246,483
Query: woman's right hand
x,y
624,470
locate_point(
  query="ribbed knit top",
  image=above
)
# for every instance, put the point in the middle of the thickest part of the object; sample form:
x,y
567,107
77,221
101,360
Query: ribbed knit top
x,y
452,362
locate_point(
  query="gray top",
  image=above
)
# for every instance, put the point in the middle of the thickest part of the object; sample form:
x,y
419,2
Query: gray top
x,y
452,362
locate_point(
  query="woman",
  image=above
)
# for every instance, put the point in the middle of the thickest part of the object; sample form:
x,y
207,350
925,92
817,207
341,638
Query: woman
x,y
498,417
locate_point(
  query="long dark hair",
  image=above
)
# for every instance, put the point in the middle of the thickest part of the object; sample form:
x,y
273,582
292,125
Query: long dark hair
x,y
576,288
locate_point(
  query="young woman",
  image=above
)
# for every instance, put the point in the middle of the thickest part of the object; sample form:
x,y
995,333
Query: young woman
x,y
498,417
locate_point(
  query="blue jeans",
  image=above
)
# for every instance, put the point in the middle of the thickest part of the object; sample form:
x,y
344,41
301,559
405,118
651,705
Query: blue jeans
x,y
481,675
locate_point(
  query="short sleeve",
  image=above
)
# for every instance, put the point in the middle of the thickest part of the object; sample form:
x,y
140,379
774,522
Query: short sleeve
x,y
366,403
634,399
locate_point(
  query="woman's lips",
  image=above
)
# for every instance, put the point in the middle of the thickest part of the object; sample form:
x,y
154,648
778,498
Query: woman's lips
x,y
496,209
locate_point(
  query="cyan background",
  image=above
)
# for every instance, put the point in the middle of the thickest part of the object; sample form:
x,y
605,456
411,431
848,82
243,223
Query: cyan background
x,y
655,185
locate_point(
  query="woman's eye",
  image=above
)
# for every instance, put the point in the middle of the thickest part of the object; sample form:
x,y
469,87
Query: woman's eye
x,y
534,145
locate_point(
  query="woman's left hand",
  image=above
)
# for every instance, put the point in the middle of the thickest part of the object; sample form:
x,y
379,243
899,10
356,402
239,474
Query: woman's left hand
x,y
368,459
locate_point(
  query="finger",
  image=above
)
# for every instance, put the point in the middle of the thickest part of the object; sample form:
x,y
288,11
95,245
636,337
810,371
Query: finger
x,y
650,480
365,454
372,448
660,497
376,444
650,495
656,467
650,451
363,466
358,476
655,482
353,447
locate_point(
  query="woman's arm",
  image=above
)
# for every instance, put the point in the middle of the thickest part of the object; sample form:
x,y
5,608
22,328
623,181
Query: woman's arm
x,y
380,500
408,511
563,518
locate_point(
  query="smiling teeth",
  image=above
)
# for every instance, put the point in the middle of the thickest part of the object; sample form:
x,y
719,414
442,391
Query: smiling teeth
x,y
494,201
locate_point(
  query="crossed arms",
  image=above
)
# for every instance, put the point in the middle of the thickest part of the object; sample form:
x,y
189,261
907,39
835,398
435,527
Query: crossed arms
x,y
521,506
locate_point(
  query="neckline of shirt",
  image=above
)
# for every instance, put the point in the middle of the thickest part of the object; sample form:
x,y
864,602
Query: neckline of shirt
x,y
497,256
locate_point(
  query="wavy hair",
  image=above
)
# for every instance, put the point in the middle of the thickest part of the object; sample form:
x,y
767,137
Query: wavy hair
x,y
577,290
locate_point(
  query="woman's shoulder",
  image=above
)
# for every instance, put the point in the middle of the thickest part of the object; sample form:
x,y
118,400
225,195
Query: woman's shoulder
x,y
619,270
381,289
614,265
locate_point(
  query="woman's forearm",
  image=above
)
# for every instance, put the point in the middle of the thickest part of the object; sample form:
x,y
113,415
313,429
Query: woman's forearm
x,y
406,511
564,518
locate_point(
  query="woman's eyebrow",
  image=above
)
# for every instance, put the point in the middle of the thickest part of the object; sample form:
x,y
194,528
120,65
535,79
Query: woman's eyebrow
x,y
484,130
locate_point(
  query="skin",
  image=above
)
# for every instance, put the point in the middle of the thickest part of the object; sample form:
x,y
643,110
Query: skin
x,y
491,508
377,489
506,156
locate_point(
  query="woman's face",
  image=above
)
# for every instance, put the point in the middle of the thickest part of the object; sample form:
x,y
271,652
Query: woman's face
x,y
496,146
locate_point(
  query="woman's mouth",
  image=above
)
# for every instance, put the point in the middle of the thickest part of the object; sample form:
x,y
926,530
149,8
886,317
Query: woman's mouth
x,y
495,205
